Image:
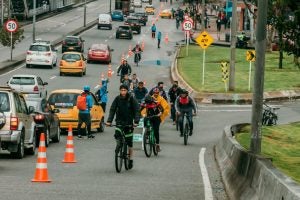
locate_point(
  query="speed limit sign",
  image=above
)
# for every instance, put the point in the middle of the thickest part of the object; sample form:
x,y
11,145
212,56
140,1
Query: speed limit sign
x,y
11,26
187,25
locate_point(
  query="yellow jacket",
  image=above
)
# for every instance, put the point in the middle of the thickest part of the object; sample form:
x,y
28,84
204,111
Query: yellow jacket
x,y
165,106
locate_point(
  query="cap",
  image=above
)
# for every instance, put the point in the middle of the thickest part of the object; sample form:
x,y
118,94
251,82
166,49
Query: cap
x,y
86,88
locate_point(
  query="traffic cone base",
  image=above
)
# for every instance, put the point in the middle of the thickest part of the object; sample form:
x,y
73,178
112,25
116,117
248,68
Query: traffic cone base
x,y
69,153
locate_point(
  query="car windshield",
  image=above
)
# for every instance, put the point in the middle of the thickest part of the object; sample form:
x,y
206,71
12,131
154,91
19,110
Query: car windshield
x,y
101,47
71,39
4,102
117,13
39,48
133,21
63,100
124,28
71,57
22,81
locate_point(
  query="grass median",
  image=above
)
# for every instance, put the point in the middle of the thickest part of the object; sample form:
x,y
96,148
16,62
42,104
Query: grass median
x,y
190,68
281,143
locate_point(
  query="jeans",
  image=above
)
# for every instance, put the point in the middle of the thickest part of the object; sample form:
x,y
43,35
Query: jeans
x,y
189,116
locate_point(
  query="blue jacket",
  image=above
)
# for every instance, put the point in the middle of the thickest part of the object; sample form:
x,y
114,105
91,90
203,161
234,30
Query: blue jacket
x,y
89,104
159,35
153,28
103,92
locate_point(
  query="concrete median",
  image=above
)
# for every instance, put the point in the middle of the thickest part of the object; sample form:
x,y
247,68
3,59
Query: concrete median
x,y
248,176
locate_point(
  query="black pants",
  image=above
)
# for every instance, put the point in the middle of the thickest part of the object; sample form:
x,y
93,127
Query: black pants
x,y
153,34
173,112
155,121
84,118
128,131
103,105
158,43
189,118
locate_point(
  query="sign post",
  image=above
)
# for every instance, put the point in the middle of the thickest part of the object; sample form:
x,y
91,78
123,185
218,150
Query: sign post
x,y
225,74
187,25
204,40
250,56
11,26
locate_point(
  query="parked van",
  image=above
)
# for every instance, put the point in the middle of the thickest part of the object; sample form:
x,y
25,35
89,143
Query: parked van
x,y
104,20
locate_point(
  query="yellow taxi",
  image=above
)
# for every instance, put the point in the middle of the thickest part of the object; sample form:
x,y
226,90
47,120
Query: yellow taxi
x,y
72,63
166,13
149,10
65,100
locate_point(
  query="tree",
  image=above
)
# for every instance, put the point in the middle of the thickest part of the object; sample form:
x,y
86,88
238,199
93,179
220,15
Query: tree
x,y
5,39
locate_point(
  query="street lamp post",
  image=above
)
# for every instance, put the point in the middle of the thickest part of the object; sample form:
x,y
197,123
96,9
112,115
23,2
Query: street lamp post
x,y
84,14
33,20
109,6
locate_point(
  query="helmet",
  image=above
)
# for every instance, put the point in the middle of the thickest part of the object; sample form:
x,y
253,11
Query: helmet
x,y
183,91
123,86
86,88
148,99
156,90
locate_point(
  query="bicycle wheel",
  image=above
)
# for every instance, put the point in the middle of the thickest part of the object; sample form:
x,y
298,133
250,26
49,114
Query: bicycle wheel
x,y
125,156
147,142
186,133
153,141
119,157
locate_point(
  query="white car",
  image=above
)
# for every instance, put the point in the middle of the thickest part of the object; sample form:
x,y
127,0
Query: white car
x,y
41,53
137,3
31,85
145,1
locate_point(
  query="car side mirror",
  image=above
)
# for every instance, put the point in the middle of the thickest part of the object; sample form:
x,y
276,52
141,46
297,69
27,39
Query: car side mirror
x,y
83,40
30,109
55,110
45,83
111,49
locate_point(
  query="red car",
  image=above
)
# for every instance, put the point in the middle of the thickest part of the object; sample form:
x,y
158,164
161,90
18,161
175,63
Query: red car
x,y
99,52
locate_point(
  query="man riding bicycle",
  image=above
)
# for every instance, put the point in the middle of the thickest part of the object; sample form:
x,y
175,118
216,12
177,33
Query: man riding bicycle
x,y
126,109
185,104
152,111
124,69
137,50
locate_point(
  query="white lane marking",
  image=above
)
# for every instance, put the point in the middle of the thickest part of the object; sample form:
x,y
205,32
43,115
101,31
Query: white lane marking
x,y
12,71
52,77
105,40
207,187
246,110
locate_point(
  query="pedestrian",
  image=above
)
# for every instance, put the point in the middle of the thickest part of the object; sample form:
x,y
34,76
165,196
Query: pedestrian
x,y
84,105
126,110
158,39
101,94
153,30
219,24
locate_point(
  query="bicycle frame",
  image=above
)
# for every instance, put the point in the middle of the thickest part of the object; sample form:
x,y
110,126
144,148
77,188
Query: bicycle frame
x,y
149,138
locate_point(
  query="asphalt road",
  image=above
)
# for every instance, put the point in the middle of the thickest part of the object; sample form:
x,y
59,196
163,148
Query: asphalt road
x,y
174,174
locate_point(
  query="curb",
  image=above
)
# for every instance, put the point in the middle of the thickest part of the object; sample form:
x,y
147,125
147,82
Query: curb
x,y
228,98
248,176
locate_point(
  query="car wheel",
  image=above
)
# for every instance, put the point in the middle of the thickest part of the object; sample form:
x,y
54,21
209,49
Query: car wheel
x,y
21,148
61,74
88,61
56,139
84,73
81,74
47,137
27,65
117,37
101,126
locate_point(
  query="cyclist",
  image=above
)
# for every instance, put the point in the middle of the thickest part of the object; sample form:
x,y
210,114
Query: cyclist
x,y
123,69
128,82
163,102
173,93
185,104
140,92
152,111
160,87
134,80
126,109
84,116
137,53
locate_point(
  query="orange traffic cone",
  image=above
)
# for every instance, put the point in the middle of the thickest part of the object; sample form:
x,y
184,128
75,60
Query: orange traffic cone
x,y
69,154
41,171
143,45
130,53
122,58
166,38
109,72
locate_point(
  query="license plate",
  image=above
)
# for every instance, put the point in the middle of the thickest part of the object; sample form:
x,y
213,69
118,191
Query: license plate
x,y
63,111
71,48
123,34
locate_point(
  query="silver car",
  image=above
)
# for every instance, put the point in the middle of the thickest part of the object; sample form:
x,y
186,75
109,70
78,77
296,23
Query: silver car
x,y
29,84
17,127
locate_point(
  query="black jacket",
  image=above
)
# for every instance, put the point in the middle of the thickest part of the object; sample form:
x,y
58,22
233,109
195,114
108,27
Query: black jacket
x,y
126,110
173,94
124,69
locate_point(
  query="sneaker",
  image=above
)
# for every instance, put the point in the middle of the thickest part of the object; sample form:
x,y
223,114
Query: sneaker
x,y
158,148
130,164
191,133
90,136
79,136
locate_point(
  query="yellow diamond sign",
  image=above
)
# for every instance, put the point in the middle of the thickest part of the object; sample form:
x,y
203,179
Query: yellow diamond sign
x,y
204,40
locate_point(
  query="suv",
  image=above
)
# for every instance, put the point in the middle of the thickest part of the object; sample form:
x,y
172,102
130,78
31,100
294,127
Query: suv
x,y
72,43
142,19
17,127
134,23
41,53
124,32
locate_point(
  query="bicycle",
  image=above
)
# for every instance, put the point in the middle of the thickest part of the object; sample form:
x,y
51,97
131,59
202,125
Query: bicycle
x,y
186,128
149,141
137,58
121,151
270,116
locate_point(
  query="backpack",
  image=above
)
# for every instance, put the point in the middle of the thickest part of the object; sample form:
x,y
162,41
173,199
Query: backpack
x,y
81,102
184,101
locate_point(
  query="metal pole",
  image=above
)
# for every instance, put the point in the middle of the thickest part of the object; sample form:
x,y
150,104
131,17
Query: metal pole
x,y
2,14
84,14
203,66
109,6
33,20
249,81
232,47
258,89
11,46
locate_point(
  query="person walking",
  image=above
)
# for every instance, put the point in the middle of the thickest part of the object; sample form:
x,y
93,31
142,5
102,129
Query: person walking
x,y
84,105
153,30
158,39
126,110
101,94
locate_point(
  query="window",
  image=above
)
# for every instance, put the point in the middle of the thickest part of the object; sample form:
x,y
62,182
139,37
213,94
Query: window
x,y
39,81
23,105
42,48
63,100
71,57
17,103
4,102
22,81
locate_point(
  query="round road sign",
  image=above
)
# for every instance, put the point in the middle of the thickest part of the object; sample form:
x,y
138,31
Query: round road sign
x,y
187,25
11,26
